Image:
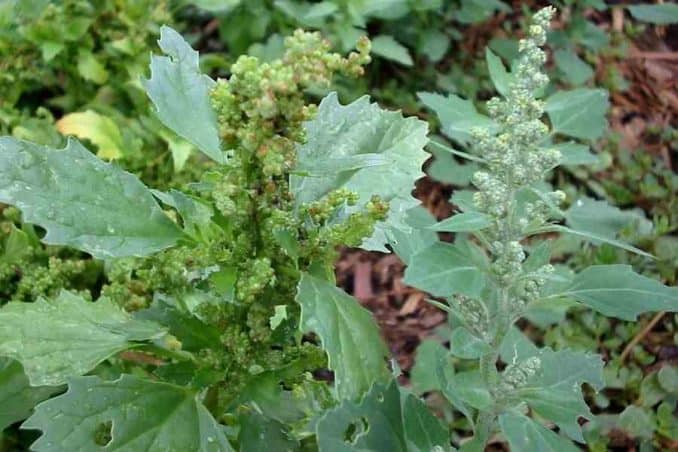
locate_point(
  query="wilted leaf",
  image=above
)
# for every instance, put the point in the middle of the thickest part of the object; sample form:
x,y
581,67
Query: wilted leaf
x,y
99,129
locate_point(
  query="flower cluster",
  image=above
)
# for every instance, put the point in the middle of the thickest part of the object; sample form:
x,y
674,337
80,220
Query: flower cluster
x,y
515,158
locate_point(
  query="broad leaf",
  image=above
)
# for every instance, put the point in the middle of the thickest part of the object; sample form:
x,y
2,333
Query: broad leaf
x,y
385,419
407,243
387,47
465,345
572,153
500,76
444,269
57,339
516,346
575,70
579,113
458,117
524,434
180,94
662,14
601,218
593,238
196,215
469,388
193,333
463,222
617,291
430,357
82,201
338,133
554,392
258,432
17,397
349,335
143,415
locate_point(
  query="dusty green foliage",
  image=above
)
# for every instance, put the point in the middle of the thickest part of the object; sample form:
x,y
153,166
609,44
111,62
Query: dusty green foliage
x,y
510,275
220,288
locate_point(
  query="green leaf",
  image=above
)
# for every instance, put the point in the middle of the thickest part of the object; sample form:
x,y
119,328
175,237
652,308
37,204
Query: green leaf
x,y
258,432
616,291
524,434
517,347
578,113
17,245
278,317
91,69
465,345
469,388
668,379
387,47
444,269
498,73
554,392
217,6
59,189
142,415
386,419
601,218
431,355
339,132
475,11
457,116
446,169
17,397
638,422
574,69
434,44
407,243
180,94
463,222
593,238
572,153
196,215
56,339
661,14
344,328
193,333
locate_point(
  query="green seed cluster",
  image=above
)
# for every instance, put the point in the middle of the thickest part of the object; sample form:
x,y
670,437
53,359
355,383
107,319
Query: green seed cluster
x,y
264,241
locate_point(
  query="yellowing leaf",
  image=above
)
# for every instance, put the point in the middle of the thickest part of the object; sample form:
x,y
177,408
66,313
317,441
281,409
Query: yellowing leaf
x,y
98,129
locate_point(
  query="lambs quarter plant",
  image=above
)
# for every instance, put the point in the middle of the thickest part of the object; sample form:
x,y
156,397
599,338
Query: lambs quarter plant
x,y
223,289
499,269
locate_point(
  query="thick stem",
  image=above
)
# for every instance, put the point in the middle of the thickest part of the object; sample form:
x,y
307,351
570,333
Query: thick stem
x,y
488,368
